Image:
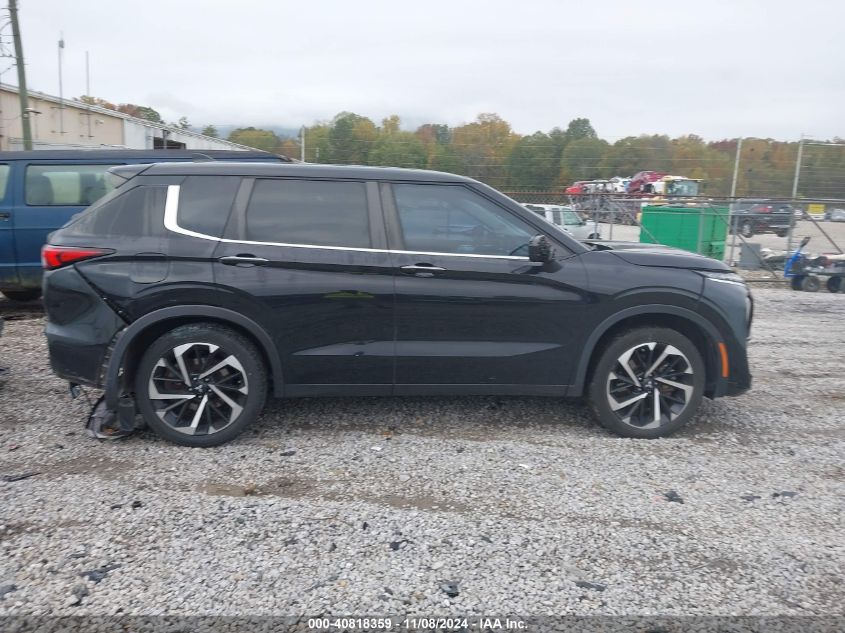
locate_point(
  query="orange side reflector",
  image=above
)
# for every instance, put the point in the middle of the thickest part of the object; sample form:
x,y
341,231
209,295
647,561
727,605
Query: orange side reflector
x,y
724,352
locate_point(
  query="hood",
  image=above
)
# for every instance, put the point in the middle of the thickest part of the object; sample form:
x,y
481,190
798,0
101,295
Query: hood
x,y
659,255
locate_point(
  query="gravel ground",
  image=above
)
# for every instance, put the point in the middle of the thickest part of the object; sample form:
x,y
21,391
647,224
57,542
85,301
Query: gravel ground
x,y
439,506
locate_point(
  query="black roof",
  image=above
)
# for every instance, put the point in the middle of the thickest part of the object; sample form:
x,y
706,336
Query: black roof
x,y
301,170
97,154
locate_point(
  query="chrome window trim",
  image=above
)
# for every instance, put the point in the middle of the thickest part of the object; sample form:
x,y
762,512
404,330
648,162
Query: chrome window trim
x,y
171,210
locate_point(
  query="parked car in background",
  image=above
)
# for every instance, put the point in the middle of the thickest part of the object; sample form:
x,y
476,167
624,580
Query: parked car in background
x,y
835,215
193,291
41,190
567,219
751,218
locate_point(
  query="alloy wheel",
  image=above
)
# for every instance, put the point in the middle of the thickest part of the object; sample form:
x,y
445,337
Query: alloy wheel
x,y
650,385
198,388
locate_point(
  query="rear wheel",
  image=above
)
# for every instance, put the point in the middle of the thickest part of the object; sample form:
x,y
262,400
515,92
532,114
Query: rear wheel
x,y
647,383
834,284
23,295
200,385
746,229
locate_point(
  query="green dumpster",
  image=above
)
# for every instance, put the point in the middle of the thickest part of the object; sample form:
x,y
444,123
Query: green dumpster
x,y
697,229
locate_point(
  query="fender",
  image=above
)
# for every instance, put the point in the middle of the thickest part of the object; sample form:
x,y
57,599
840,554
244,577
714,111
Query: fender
x,y
112,384
577,386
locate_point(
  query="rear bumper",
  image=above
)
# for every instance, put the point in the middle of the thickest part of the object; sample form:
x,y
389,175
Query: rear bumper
x,y
80,327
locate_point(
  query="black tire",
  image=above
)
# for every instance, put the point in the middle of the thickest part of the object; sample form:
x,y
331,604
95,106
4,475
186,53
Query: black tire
x,y
781,233
795,282
746,229
23,295
215,421
834,284
685,369
810,283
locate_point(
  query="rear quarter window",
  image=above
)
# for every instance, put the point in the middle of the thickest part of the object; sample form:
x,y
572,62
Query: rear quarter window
x,y
139,212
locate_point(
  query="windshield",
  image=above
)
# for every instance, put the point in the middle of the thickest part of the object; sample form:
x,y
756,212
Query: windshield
x,y
682,188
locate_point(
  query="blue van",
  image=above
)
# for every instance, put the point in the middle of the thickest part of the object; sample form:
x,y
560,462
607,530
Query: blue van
x,y
40,190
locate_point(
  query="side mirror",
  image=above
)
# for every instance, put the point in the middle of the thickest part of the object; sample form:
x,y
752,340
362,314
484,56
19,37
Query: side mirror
x,y
805,241
539,249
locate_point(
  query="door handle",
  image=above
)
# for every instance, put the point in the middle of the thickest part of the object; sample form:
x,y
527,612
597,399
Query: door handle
x,y
5,215
421,270
243,260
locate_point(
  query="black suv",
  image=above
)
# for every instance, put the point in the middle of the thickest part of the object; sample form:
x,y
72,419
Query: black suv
x,y
193,291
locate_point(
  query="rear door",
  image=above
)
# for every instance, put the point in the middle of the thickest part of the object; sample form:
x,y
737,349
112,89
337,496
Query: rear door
x,y
48,195
309,256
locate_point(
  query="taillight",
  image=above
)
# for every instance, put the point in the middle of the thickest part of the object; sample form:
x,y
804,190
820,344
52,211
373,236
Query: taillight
x,y
53,257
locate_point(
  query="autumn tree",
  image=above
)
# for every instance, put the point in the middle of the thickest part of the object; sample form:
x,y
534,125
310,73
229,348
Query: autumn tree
x,y
483,147
265,140
581,160
351,137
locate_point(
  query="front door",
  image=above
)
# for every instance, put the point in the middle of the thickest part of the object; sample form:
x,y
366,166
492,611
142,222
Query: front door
x,y
312,254
471,310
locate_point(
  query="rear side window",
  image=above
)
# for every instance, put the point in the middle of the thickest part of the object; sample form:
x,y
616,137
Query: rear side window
x,y
205,202
137,213
65,185
308,212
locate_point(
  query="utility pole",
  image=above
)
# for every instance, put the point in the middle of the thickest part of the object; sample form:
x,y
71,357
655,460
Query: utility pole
x,y
732,203
302,144
798,167
795,193
736,168
61,92
22,93
88,91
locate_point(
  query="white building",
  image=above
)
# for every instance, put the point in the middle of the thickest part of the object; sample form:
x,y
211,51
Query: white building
x,y
70,124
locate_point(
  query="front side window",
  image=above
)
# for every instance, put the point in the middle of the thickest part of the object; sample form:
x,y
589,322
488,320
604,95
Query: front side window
x,y
65,185
308,212
453,219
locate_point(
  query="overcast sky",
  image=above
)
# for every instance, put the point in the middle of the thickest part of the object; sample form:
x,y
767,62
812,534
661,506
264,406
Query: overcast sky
x,y
717,68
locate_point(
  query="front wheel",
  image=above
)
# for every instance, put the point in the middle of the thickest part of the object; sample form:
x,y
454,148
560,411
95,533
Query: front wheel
x,y
200,385
834,284
746,229
647,383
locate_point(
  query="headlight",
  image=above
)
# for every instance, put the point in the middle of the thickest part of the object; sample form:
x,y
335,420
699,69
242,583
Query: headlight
x,y
723,278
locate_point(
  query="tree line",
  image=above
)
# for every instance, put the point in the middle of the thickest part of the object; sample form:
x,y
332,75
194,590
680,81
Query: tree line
x,y
489,150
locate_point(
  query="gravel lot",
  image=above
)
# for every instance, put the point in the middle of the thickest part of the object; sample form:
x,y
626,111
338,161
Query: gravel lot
x,y
381,505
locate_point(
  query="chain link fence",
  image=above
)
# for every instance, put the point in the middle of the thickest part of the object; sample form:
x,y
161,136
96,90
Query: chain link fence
x,y
758,234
